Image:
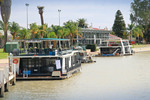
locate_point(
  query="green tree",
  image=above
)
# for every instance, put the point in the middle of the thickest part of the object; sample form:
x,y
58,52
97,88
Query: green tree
x,y
140,15
138,32
51,35
72,28
14,28
34,29
56,30
140,11
24,34
42,30
82,23
119,26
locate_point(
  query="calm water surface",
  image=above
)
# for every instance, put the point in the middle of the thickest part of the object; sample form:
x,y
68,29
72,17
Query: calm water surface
x,y
110,78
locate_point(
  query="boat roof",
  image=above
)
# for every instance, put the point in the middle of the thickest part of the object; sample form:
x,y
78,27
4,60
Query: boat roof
x,y
38,40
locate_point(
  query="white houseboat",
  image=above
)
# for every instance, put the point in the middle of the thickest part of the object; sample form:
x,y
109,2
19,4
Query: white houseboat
x,y
54,62
115,47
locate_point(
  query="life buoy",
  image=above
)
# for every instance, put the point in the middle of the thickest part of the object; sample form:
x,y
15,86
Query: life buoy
x,y
15,61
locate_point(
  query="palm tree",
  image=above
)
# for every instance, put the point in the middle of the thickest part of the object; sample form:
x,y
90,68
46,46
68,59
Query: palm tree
x,y
43,30
5,13
34,30
23,33
138,32
41,13
82,23
51,35
72,29
14,28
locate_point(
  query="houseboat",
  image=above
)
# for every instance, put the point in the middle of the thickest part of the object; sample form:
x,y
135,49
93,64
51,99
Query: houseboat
x,y
115,47
45,58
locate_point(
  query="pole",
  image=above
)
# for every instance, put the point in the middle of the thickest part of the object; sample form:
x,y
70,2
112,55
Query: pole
x,y
27,5
59,15
59,25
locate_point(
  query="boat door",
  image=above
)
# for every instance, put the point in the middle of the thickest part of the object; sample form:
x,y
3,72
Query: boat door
x,y
35,66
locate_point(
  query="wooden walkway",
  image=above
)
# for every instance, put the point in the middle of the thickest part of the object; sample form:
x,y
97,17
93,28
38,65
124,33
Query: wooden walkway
x,y
7,76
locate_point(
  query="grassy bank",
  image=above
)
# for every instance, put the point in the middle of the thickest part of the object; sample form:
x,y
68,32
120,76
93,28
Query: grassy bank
x,y
3,55
140,45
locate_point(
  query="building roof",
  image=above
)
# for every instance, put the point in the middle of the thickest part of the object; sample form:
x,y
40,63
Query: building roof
x,y
114,37
95,29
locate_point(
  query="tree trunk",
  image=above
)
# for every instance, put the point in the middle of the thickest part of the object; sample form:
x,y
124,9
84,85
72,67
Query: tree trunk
x,y
5,36
13,36
138,40
5,13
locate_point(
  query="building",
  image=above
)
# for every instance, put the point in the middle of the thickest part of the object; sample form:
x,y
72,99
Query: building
x,y
93,36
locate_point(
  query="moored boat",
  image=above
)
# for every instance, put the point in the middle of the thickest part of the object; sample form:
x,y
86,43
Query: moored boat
x,y
115,48
46,63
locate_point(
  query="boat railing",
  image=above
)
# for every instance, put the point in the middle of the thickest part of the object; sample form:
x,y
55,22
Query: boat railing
x,y
45,51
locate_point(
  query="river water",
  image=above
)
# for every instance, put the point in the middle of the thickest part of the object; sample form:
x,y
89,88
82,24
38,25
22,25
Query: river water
x,y
110,78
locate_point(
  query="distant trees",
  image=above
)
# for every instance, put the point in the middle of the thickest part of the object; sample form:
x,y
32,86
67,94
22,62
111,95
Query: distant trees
x,y
82,23
14,29
69,31
34,30
140,15
23,34
119,27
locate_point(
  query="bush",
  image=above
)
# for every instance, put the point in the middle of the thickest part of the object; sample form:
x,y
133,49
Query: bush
x,y
92,47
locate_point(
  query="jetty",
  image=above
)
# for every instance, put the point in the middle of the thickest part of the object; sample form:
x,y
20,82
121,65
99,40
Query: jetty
x,y
7,77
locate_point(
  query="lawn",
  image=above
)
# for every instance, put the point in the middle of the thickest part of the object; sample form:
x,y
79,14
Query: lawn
x,y
3,55
140,45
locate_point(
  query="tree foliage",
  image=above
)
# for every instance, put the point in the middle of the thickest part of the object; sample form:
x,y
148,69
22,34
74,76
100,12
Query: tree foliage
x,y
23,34
34,30
14,28
82,23
119,26
140,15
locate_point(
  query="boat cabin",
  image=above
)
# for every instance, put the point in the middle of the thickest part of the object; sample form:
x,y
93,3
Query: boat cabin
x,y
115,47
45,58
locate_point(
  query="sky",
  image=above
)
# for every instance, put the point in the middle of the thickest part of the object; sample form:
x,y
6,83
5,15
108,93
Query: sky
x,y
98,13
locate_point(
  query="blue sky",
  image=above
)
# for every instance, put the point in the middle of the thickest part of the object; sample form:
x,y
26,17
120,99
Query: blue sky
x,y
99,13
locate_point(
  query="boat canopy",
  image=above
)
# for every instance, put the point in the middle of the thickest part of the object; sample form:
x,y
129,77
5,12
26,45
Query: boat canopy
x,y
38,40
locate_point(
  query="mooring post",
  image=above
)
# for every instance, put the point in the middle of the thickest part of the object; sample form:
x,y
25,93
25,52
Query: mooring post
x,y
14,74
1,82
7,78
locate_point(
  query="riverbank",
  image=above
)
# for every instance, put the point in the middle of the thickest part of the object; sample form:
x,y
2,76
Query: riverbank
x,y
141,48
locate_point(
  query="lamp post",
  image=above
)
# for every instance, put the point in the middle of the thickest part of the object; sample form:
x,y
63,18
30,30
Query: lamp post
x,y
59,25
27,5
59,15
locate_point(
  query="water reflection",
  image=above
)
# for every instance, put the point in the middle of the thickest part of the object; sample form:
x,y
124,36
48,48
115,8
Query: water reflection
x,y
110,78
